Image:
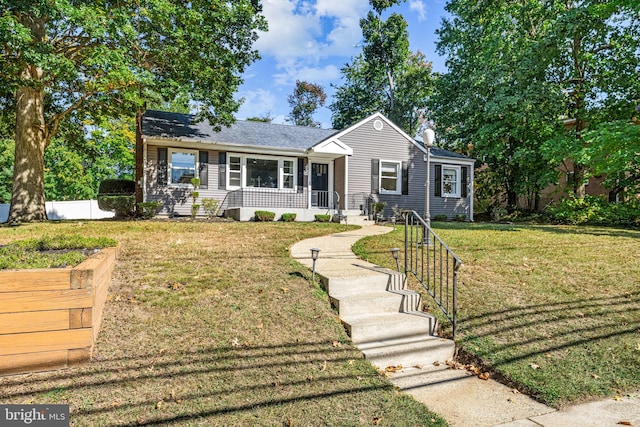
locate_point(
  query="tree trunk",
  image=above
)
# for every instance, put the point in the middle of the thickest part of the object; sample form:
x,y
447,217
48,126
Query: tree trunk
x,y
27,197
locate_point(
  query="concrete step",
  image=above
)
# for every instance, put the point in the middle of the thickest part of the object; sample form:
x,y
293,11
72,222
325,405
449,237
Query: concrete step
x,y
383,280
366,303
419,350
411,301
377,327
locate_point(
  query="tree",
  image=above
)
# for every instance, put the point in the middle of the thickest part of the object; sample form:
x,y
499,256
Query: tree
x,y
95,59
304,101
386,77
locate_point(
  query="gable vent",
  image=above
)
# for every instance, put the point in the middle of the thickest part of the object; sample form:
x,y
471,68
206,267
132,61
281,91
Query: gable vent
x,y
378,125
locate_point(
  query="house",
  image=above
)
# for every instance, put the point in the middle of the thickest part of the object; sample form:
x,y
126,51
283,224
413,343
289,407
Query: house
x,y
288,169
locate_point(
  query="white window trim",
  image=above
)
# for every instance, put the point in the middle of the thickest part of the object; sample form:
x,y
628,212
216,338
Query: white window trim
x,y
458,181
170,152
243,171
398,189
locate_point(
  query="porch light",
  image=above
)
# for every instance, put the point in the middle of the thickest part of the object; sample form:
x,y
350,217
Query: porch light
x,y
396,252
314,256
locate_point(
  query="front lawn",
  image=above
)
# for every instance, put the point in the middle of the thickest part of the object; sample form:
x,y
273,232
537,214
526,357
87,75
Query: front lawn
x,y
555,309
214,324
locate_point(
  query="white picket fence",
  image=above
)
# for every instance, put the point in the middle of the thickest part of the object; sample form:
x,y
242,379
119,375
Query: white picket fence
x,y
75,209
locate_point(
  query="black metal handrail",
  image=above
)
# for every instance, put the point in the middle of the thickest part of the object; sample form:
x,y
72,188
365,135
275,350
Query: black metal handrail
x,y
432,263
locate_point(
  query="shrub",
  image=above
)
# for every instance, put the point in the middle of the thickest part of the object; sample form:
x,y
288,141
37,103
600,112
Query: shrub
x,y
117,195
148,210
264,216
322,217
377,208
210,206
288,217
440,217
194,209
591,210
123,206
460,218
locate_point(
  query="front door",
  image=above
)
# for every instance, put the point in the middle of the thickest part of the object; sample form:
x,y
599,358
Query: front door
x,y
320,185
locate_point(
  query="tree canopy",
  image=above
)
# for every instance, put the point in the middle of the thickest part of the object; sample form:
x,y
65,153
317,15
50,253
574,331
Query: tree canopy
x,y
304,101
92,59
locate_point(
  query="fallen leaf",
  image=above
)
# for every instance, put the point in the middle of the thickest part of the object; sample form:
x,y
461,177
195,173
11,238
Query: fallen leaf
x,y
617,398
350,362
324,366
484,376
595,376
284,290
534,366
625,423
436,363
159,404
335,343
393,368
580,314
515,391
235,343
377,420
259,326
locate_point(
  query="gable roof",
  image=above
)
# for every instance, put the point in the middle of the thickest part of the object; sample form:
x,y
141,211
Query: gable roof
x,y
182,127
247,133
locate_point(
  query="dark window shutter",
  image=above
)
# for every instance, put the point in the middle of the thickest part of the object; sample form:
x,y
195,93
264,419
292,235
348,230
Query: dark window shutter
x,y
162,166
203,159
405,178
300,175
464,183
222,170
375,180
438,183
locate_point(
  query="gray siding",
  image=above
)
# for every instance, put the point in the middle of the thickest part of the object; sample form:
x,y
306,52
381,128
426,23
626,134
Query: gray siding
x,y
338,179
388,144
178,199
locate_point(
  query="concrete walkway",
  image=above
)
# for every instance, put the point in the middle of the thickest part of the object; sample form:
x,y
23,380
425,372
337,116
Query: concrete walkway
x,y
460,397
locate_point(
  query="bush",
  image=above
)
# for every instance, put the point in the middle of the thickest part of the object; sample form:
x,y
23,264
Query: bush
x,y
264,216
117,195
123,206
460,218
210,206
322,217
440,217
592,210
148,210
288,217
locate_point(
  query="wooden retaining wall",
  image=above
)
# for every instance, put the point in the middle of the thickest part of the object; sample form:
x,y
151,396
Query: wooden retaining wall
x,y
50,318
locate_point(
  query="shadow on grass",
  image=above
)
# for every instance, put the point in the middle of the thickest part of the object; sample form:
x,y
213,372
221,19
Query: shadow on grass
x,y
549,228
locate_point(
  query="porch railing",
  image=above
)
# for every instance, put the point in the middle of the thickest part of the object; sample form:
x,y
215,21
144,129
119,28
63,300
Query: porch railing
x,y
262,198
432,263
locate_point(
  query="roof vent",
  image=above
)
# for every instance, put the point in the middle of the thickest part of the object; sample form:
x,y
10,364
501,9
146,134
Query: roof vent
x,y
378,125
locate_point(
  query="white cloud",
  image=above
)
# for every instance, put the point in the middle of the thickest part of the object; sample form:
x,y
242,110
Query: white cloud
x,y
257,103
418,7
318,75
303,33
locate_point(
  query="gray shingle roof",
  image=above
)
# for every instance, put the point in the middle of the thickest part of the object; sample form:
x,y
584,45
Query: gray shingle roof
x,y
441,152
258,134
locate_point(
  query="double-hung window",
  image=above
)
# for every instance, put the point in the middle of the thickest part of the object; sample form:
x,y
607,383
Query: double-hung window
x,y
261,172
390,177
182,166
451,181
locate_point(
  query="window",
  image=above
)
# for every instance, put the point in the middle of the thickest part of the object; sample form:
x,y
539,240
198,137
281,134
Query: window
x,y
182,166
261,172
451,181
287,174
235,171
390,179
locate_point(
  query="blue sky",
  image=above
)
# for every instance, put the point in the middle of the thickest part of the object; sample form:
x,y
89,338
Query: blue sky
x,y
311,40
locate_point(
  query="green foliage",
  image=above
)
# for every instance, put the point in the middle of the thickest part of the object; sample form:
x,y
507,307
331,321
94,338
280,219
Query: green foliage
x,y
591,210
50,251
124,206
305,100
460,218
386,77
322,217
440,217
288,217
264,216
148,210
93,60
377,208
195,207
210,206
110,187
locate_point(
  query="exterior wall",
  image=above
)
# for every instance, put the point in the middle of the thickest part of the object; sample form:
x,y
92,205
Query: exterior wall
x,y
177,200
388,144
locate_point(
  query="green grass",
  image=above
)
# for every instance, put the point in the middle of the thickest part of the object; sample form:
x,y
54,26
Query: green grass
x,y
554,309
212,323
50,251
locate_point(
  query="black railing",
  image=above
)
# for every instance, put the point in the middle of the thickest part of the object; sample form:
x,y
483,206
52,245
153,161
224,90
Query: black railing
x,y
320,199
432,263
263,198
